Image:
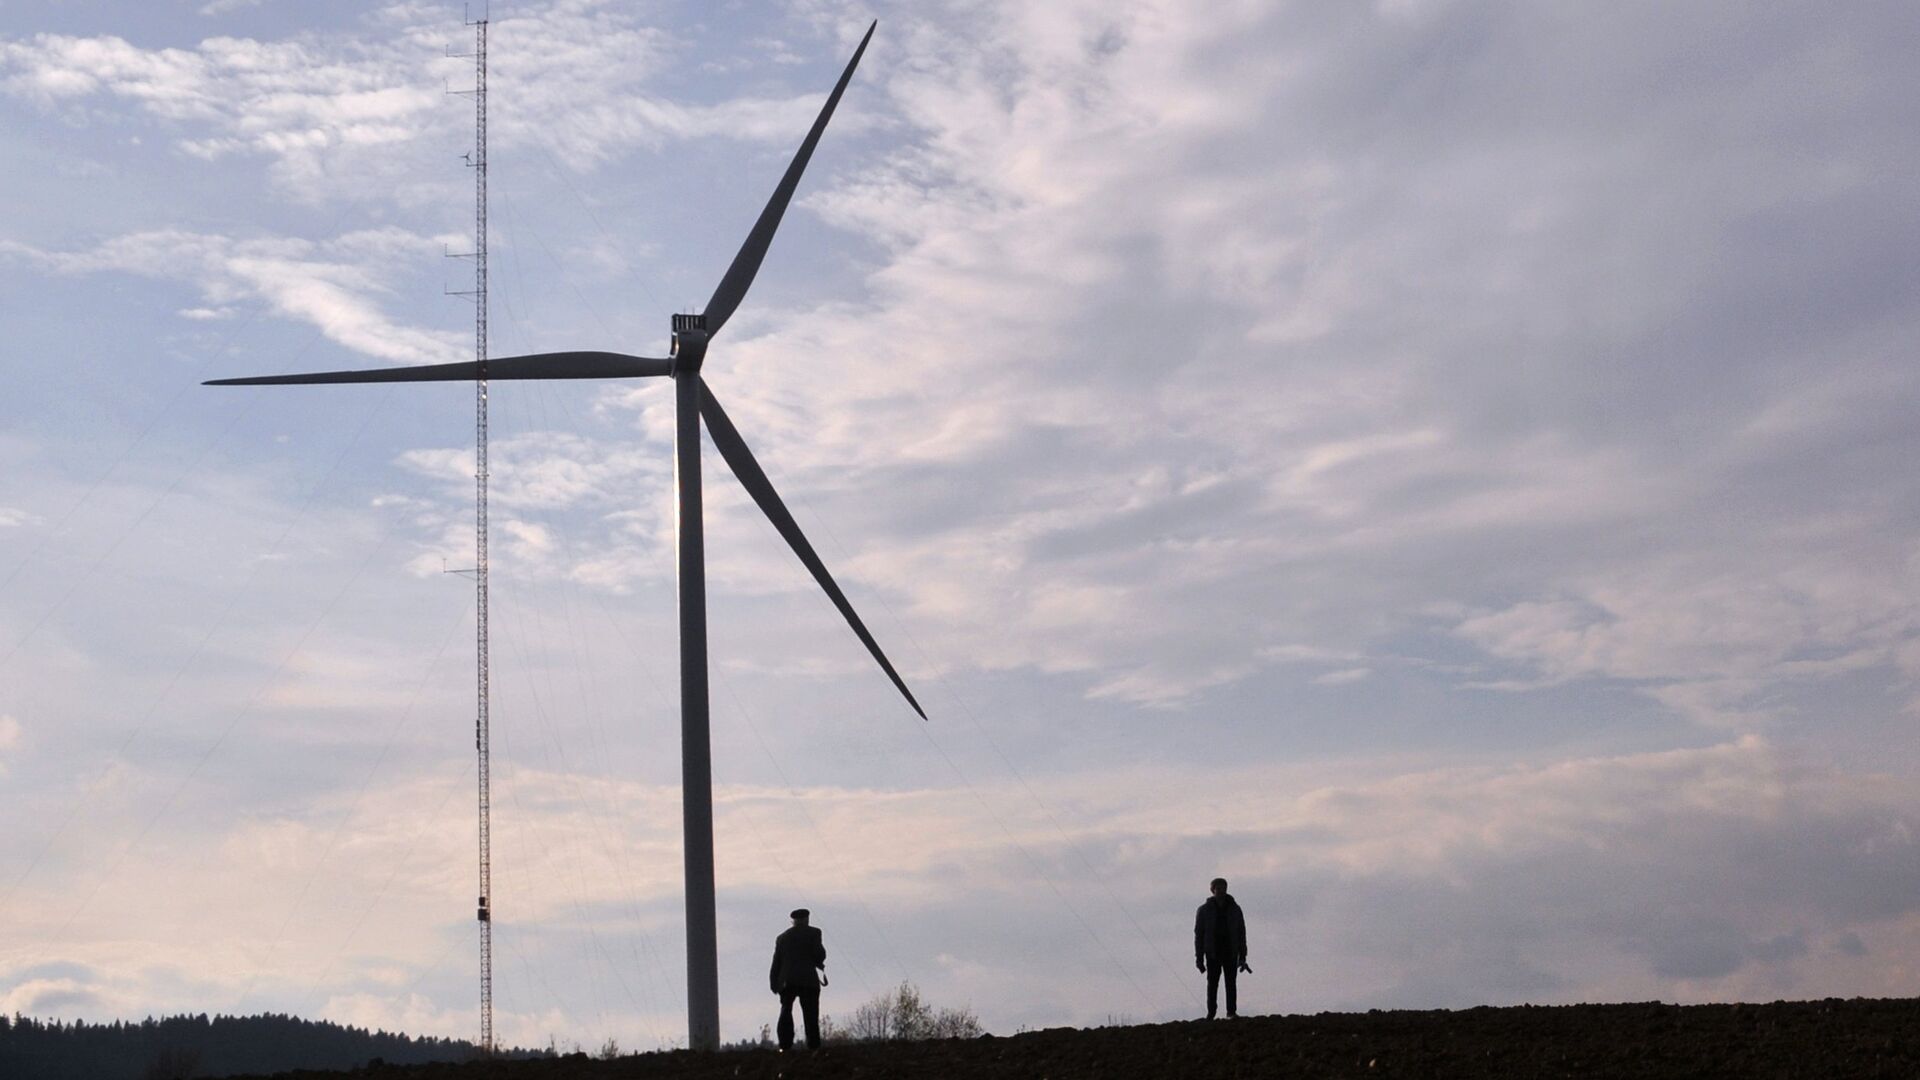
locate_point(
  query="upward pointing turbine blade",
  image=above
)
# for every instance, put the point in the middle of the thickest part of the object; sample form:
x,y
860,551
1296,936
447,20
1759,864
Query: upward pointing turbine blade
x,y
740,459
560,365
732,287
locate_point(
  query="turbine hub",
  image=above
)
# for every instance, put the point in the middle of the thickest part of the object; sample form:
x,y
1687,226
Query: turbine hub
x,y
689,343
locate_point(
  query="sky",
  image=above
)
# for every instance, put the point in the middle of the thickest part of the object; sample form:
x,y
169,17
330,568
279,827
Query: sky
x,y
1443,465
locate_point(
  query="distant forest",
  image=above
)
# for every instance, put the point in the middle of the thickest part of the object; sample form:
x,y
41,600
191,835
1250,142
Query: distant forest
x,y
195,1046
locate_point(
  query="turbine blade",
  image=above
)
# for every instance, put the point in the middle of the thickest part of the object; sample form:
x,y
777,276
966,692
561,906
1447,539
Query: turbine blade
x,y
560,365
740,459
734,286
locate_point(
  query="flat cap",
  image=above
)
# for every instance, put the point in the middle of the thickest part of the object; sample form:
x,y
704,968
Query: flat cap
x,y
799,913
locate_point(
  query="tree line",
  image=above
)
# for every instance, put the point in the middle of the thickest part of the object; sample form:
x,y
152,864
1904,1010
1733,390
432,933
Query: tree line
x,y
177,1047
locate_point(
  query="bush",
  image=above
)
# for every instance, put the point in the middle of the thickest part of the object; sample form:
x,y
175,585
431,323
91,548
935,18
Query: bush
x,y
902,1015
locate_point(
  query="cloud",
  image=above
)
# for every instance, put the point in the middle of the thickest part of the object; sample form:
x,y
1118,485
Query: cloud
x,y
1703,874
1711,874
545,470
291,100
336,285
1232,347
349,113
1709,636
50,997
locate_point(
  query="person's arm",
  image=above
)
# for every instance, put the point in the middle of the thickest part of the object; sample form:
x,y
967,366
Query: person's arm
x,y
1240,932
819,950
1200,938
773,973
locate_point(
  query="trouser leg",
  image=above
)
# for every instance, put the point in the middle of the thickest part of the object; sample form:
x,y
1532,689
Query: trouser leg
x,y
1213,987
784,1029
810,1013
1232,974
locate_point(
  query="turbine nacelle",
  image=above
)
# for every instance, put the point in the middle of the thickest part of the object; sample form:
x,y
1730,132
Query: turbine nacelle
x,y
689,343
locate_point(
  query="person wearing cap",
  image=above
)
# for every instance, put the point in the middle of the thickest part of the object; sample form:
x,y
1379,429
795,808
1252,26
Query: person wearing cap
x,y
797,957
1220,945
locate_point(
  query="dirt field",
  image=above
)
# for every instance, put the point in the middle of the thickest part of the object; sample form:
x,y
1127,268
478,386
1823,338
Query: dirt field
x,y
1786,1039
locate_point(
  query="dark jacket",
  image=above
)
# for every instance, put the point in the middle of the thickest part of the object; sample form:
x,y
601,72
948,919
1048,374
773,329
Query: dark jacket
x,y
1220,932
796,953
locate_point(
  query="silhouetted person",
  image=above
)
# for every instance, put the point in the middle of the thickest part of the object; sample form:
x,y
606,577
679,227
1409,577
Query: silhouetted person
x,y
1220,945
797,953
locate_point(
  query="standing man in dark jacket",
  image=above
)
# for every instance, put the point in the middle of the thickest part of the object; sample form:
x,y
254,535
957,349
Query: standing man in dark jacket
x,y
1220,945
797,952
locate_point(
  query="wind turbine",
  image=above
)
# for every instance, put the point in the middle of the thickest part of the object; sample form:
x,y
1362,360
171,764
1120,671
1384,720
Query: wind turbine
x,y
693,402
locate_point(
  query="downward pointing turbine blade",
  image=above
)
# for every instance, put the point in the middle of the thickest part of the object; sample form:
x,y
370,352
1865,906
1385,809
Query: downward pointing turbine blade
x,y
740,459
734,286
560,365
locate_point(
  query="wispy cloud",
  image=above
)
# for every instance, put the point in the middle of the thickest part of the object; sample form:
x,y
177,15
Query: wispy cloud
x,y
335,285
582,79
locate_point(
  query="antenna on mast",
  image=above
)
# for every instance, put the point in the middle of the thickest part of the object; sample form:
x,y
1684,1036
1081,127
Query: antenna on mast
x,y
476,159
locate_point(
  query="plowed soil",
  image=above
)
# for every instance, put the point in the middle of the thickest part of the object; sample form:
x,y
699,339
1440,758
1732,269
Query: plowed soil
x,y
1812,1039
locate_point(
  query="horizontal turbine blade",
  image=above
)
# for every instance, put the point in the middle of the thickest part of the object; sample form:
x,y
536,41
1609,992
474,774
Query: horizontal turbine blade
x,y
559,365
727,295
740,459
